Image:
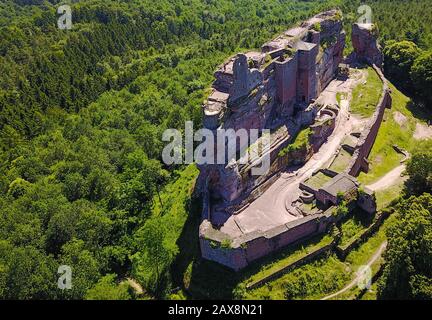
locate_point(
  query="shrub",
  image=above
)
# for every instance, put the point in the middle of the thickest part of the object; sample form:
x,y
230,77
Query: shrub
x,y
226,244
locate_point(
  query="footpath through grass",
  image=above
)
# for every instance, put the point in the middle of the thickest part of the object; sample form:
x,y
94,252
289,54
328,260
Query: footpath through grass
x,y
208,280
310,281
205,279
361,256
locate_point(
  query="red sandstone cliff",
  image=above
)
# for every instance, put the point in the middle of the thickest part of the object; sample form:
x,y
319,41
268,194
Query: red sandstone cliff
x,y
366,47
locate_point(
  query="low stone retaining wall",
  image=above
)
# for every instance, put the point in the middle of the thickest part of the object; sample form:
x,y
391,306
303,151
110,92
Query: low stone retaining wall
x,y
322,129
403,152
307,197
303,186
369,134
298,263
343,251
329,172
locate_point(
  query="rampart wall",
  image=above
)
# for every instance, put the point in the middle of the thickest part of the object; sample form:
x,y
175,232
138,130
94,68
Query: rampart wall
x,y
367,138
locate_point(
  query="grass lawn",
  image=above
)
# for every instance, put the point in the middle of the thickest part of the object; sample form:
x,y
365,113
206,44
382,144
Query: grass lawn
x,y
176,194
361,256
325,276
301,140
350,141
366,96
309,208
384,197
371,294
341,162
310,281
209,280
181,214
318,180
287,257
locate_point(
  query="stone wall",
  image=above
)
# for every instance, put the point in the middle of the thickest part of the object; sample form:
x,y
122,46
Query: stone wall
x,y
367,138
286,82
330,59
307,80
237,187
323,127
272,89
247,248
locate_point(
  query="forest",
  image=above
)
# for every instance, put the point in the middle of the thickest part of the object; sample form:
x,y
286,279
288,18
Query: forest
x,y
82,112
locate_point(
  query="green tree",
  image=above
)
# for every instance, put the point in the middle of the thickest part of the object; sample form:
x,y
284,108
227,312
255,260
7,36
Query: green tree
x,y
421,74
399,58
18,188
26,273
107,289
85,268
407,273
155,254
142,179
419,169
75,186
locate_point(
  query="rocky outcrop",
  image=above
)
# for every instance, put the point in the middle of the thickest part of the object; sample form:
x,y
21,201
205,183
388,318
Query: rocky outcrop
x,y
366,47
244,79
332,45
276,89
272,89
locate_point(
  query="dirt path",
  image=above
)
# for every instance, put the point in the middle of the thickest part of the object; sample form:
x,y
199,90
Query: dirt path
x,y
390,179
353,283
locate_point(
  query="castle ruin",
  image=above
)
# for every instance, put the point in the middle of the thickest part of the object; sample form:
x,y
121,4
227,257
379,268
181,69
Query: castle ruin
x,y
281,89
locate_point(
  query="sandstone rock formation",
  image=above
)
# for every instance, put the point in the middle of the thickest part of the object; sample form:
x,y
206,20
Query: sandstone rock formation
x,y
272,89
277,89
366,47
